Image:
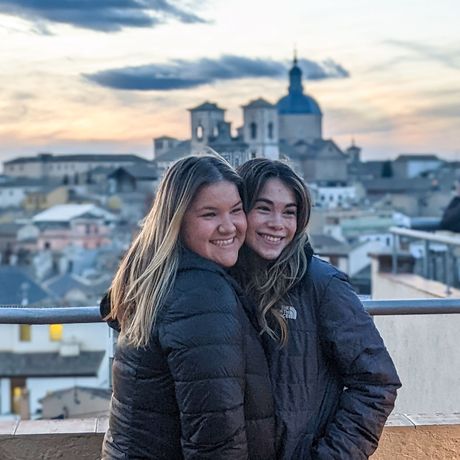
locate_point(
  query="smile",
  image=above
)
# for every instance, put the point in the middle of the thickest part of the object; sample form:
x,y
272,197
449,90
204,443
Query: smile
x,y
223,243
271,238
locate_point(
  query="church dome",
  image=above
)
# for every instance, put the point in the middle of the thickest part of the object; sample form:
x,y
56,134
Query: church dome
x,y
296,102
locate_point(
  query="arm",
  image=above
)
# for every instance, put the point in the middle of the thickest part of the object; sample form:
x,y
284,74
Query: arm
x,y
203,338
353,344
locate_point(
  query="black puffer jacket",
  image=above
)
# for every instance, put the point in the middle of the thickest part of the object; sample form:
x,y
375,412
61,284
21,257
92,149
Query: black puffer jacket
x,y
334,383
451,217
201,389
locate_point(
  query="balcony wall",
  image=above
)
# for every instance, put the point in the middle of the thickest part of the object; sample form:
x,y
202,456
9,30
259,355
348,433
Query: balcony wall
x,y
423,347
405,437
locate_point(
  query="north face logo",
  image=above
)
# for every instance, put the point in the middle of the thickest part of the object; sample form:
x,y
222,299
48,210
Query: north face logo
x,y
289,312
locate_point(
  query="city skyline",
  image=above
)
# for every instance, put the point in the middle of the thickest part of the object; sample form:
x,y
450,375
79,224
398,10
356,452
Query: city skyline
x,y
106,79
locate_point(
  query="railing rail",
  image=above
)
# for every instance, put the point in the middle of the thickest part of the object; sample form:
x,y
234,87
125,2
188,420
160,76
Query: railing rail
x,y
449,259
63,315
428,236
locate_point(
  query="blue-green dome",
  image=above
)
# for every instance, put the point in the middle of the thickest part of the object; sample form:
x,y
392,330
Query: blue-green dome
x,y
299,104
296,102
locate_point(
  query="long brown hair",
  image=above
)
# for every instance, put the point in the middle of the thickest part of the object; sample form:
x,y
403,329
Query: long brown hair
x,y
269,284
148,270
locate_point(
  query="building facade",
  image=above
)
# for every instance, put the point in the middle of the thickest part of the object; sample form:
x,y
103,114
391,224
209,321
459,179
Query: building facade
x,y
290,130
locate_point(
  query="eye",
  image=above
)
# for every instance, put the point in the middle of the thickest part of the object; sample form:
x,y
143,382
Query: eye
x,y
262,207
291,212
209,215
237,210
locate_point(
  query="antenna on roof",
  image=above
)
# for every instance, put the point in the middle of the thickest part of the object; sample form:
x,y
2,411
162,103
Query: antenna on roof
x,y
295,54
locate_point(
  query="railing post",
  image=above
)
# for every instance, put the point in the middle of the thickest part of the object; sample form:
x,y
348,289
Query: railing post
x,y
447,276
426,268
113,336
394,258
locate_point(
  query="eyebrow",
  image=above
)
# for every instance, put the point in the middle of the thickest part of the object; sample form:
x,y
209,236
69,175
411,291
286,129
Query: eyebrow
x,y
213,208
270,202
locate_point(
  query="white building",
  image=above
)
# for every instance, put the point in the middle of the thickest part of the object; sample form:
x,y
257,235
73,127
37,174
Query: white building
x,y
35,360
260,129
13,191
67,167
204,123
334,197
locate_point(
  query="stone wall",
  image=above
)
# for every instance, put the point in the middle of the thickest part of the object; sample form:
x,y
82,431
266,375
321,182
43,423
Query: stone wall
x,y
415,437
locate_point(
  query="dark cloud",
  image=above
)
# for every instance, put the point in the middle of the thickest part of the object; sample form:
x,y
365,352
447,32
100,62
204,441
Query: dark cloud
x,y
180,74
101,15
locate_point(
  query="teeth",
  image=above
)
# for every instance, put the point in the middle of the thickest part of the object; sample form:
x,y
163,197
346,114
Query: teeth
x,y
223,243
272,239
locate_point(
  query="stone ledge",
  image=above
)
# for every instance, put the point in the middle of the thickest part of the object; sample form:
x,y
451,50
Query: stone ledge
x,y
47,427
415,436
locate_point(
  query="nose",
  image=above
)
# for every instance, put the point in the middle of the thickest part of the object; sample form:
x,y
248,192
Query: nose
x,y
226,225
276,221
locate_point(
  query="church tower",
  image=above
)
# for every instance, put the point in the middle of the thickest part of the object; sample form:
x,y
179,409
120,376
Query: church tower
x,y
300,117
260,129
205,120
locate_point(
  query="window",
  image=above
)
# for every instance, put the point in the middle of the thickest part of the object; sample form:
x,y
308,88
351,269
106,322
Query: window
x,y
253,129
55,332
270,130
199,132
19,394
25,333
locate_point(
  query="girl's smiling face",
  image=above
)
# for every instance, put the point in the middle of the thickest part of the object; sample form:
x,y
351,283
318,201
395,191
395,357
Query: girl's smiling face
x,y
272,222
215,225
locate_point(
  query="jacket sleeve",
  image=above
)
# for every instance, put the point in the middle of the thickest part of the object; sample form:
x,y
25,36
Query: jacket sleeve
x,y
451,217
351,340
203,338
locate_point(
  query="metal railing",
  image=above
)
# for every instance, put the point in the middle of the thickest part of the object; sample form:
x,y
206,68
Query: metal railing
x,y
449,259
64,315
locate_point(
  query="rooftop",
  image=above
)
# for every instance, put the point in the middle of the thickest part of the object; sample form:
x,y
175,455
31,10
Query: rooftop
x,y
67,212
47,364
207,106
88,157
259,104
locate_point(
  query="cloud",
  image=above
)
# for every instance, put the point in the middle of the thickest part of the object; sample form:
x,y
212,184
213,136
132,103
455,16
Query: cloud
x,y
437,111
448,56
359,121
100,15
181,74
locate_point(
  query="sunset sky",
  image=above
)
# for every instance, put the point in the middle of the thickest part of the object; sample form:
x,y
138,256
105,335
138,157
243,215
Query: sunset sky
x,y
105,76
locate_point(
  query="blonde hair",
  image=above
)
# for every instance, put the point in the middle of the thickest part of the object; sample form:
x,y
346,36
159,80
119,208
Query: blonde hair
x,y
269,284
148,270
